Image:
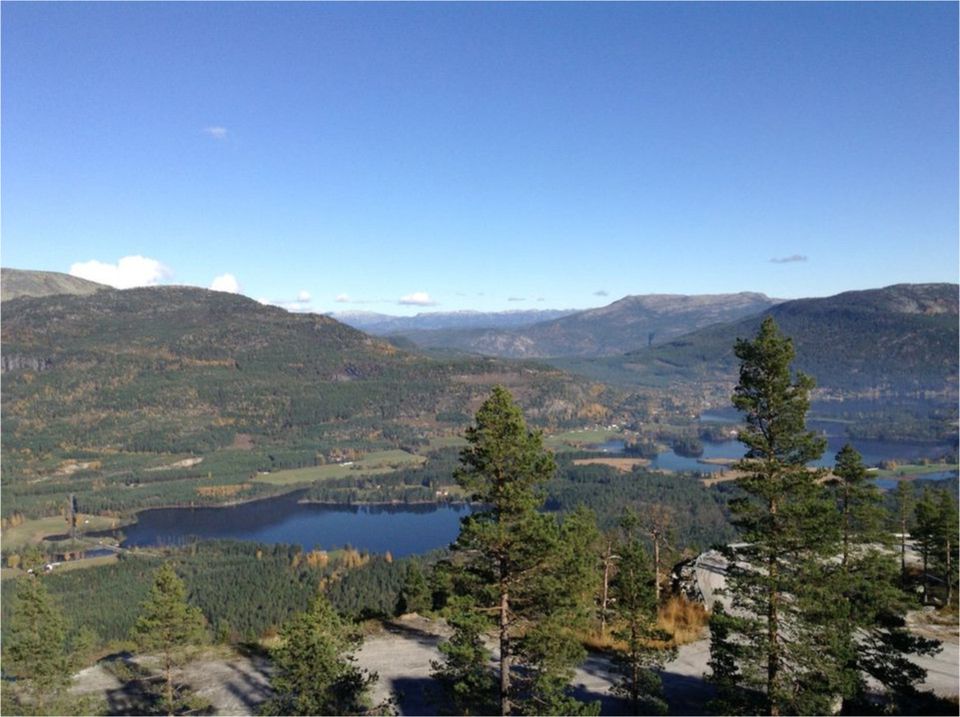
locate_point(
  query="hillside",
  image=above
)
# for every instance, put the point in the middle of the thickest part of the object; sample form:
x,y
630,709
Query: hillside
x,y
631,323
109,393
16,283
899,340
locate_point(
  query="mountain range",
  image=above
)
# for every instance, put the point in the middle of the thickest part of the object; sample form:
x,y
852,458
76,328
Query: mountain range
x,y
899,340
631,323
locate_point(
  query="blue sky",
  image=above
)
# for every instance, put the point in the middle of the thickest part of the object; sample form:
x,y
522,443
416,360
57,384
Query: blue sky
x,y
410,157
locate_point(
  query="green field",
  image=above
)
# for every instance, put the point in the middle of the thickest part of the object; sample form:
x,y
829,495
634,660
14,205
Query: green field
x,y
33,531
574,440
917,469
376,463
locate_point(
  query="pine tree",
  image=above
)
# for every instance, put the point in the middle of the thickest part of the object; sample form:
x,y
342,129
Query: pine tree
x,y
466,682
415,594
855,606
635,600
904,496
314,670
946,554
927,533
787,522
169,626
35,652
519,565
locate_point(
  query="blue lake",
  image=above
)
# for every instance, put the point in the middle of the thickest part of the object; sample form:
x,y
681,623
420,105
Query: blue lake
x,y
401,529
873,453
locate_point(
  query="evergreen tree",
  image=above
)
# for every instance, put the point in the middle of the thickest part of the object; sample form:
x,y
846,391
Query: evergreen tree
x,y
905,500
520,565
467,684
856,606
35,652
927,533
635,600
314,670
859,502
415,595
169,626
787,522
946,553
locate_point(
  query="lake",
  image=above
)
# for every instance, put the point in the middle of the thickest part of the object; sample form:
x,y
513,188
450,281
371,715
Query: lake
x,y
401,529
873,453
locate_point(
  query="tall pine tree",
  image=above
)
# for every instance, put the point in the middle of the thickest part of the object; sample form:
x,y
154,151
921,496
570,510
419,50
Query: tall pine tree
x,y
787,522
524,569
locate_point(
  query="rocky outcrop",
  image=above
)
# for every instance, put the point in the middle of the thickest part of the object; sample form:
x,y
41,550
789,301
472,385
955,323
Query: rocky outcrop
x,y
19,362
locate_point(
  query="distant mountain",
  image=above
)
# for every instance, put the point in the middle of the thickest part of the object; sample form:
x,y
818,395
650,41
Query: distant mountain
x,y
901,339
119,380
384,324
15,283
633,322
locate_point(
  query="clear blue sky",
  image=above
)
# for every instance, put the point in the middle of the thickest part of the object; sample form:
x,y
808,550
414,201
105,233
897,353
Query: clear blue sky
x,y
491,156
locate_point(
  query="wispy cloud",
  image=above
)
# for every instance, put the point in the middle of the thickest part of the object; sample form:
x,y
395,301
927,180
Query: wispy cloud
x,y
218,133
128,272
227,283
342,298
516,298
303,297
417,298
788,259
601,292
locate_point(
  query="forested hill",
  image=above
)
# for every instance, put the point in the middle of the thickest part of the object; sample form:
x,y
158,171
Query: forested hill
x,y
15,283
633,322
899,339
175,370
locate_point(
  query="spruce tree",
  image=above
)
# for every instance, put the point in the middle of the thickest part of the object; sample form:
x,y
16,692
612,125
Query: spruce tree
x,y
169,626
520,566
314,670
35,651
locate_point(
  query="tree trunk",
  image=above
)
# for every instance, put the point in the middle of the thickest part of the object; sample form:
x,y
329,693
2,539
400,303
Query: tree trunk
x,y
605,598
656,567
903,548
169,671
773,626
949,576
504,651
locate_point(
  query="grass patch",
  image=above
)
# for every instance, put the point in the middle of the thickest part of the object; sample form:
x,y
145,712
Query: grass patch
x,y
376,463
34,530
576,440
914,469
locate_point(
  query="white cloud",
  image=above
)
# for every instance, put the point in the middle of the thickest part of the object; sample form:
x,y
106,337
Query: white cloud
x,y
417,298
788,259
128,272
342,299
303,296
218,133
601,292
227,283
515,298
